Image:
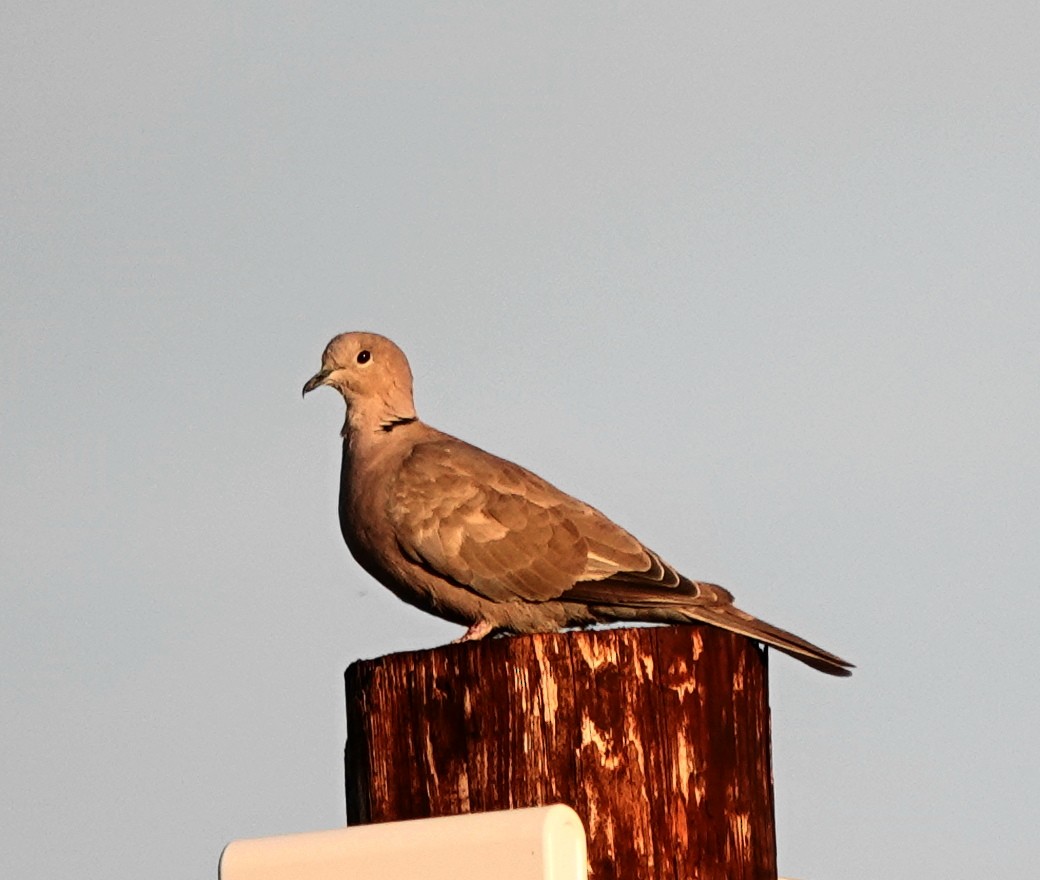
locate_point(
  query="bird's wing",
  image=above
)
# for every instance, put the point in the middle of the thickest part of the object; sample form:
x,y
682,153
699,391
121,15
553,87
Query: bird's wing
x,y
508,535
482,522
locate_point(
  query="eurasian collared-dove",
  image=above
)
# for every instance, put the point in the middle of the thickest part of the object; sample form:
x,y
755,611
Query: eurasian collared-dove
x,y
482,542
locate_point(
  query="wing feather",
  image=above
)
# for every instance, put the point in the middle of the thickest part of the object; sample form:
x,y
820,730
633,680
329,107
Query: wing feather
x,y
508,535
484,523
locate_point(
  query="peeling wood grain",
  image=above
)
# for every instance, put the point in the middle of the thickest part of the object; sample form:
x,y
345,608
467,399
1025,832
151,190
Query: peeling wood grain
x,y
657,736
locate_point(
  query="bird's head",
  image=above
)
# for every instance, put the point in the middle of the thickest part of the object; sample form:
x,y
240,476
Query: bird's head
x,y
373,376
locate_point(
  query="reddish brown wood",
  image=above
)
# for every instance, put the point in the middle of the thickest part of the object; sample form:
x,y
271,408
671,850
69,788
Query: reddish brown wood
x,y
657,736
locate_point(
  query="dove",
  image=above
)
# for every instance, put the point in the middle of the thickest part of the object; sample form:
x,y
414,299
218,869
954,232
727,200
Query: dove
x,y
482,542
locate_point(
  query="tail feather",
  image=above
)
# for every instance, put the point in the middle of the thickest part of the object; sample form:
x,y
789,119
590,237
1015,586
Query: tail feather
x,y
732,618
628,597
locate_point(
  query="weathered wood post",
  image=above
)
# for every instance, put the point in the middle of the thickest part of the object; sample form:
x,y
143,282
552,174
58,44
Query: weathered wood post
x,y
657,736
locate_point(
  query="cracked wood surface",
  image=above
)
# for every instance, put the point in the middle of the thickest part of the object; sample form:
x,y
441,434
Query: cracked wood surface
x,y
657,736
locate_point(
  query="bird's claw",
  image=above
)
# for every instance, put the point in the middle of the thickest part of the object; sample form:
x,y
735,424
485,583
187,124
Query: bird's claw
x,y
477,631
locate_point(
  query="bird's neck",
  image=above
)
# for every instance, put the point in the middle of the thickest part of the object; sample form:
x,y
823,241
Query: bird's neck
x,y
371,452
372,424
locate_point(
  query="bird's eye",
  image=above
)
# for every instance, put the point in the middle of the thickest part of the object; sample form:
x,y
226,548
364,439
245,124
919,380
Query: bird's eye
x,y
364,356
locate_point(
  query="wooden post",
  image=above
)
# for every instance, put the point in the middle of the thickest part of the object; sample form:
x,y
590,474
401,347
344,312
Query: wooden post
x,y
657,736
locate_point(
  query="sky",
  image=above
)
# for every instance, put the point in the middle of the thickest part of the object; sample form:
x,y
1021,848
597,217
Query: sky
x,y
759,281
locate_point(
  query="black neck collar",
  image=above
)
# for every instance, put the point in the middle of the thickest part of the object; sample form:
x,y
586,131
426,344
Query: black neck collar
x,y
396,423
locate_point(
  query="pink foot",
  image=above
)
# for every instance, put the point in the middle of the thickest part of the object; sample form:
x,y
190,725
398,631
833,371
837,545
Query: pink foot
x,y
477,631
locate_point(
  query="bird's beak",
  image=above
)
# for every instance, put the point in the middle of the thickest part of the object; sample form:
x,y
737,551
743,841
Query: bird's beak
x,y
317,379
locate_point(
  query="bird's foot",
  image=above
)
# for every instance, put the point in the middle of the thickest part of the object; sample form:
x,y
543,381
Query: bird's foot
x,y
477,631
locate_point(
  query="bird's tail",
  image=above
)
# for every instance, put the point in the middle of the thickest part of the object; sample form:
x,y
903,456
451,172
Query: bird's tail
x,y
732,618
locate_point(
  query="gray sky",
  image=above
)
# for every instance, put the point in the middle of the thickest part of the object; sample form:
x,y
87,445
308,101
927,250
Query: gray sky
x,y
760,281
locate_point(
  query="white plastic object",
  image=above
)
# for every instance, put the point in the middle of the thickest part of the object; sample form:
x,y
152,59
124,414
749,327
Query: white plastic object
x,y
538,843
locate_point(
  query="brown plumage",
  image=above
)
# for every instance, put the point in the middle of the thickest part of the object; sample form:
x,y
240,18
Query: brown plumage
x,y
483,542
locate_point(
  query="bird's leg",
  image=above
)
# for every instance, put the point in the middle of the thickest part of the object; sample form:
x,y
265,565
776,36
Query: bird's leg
x,y
477,631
